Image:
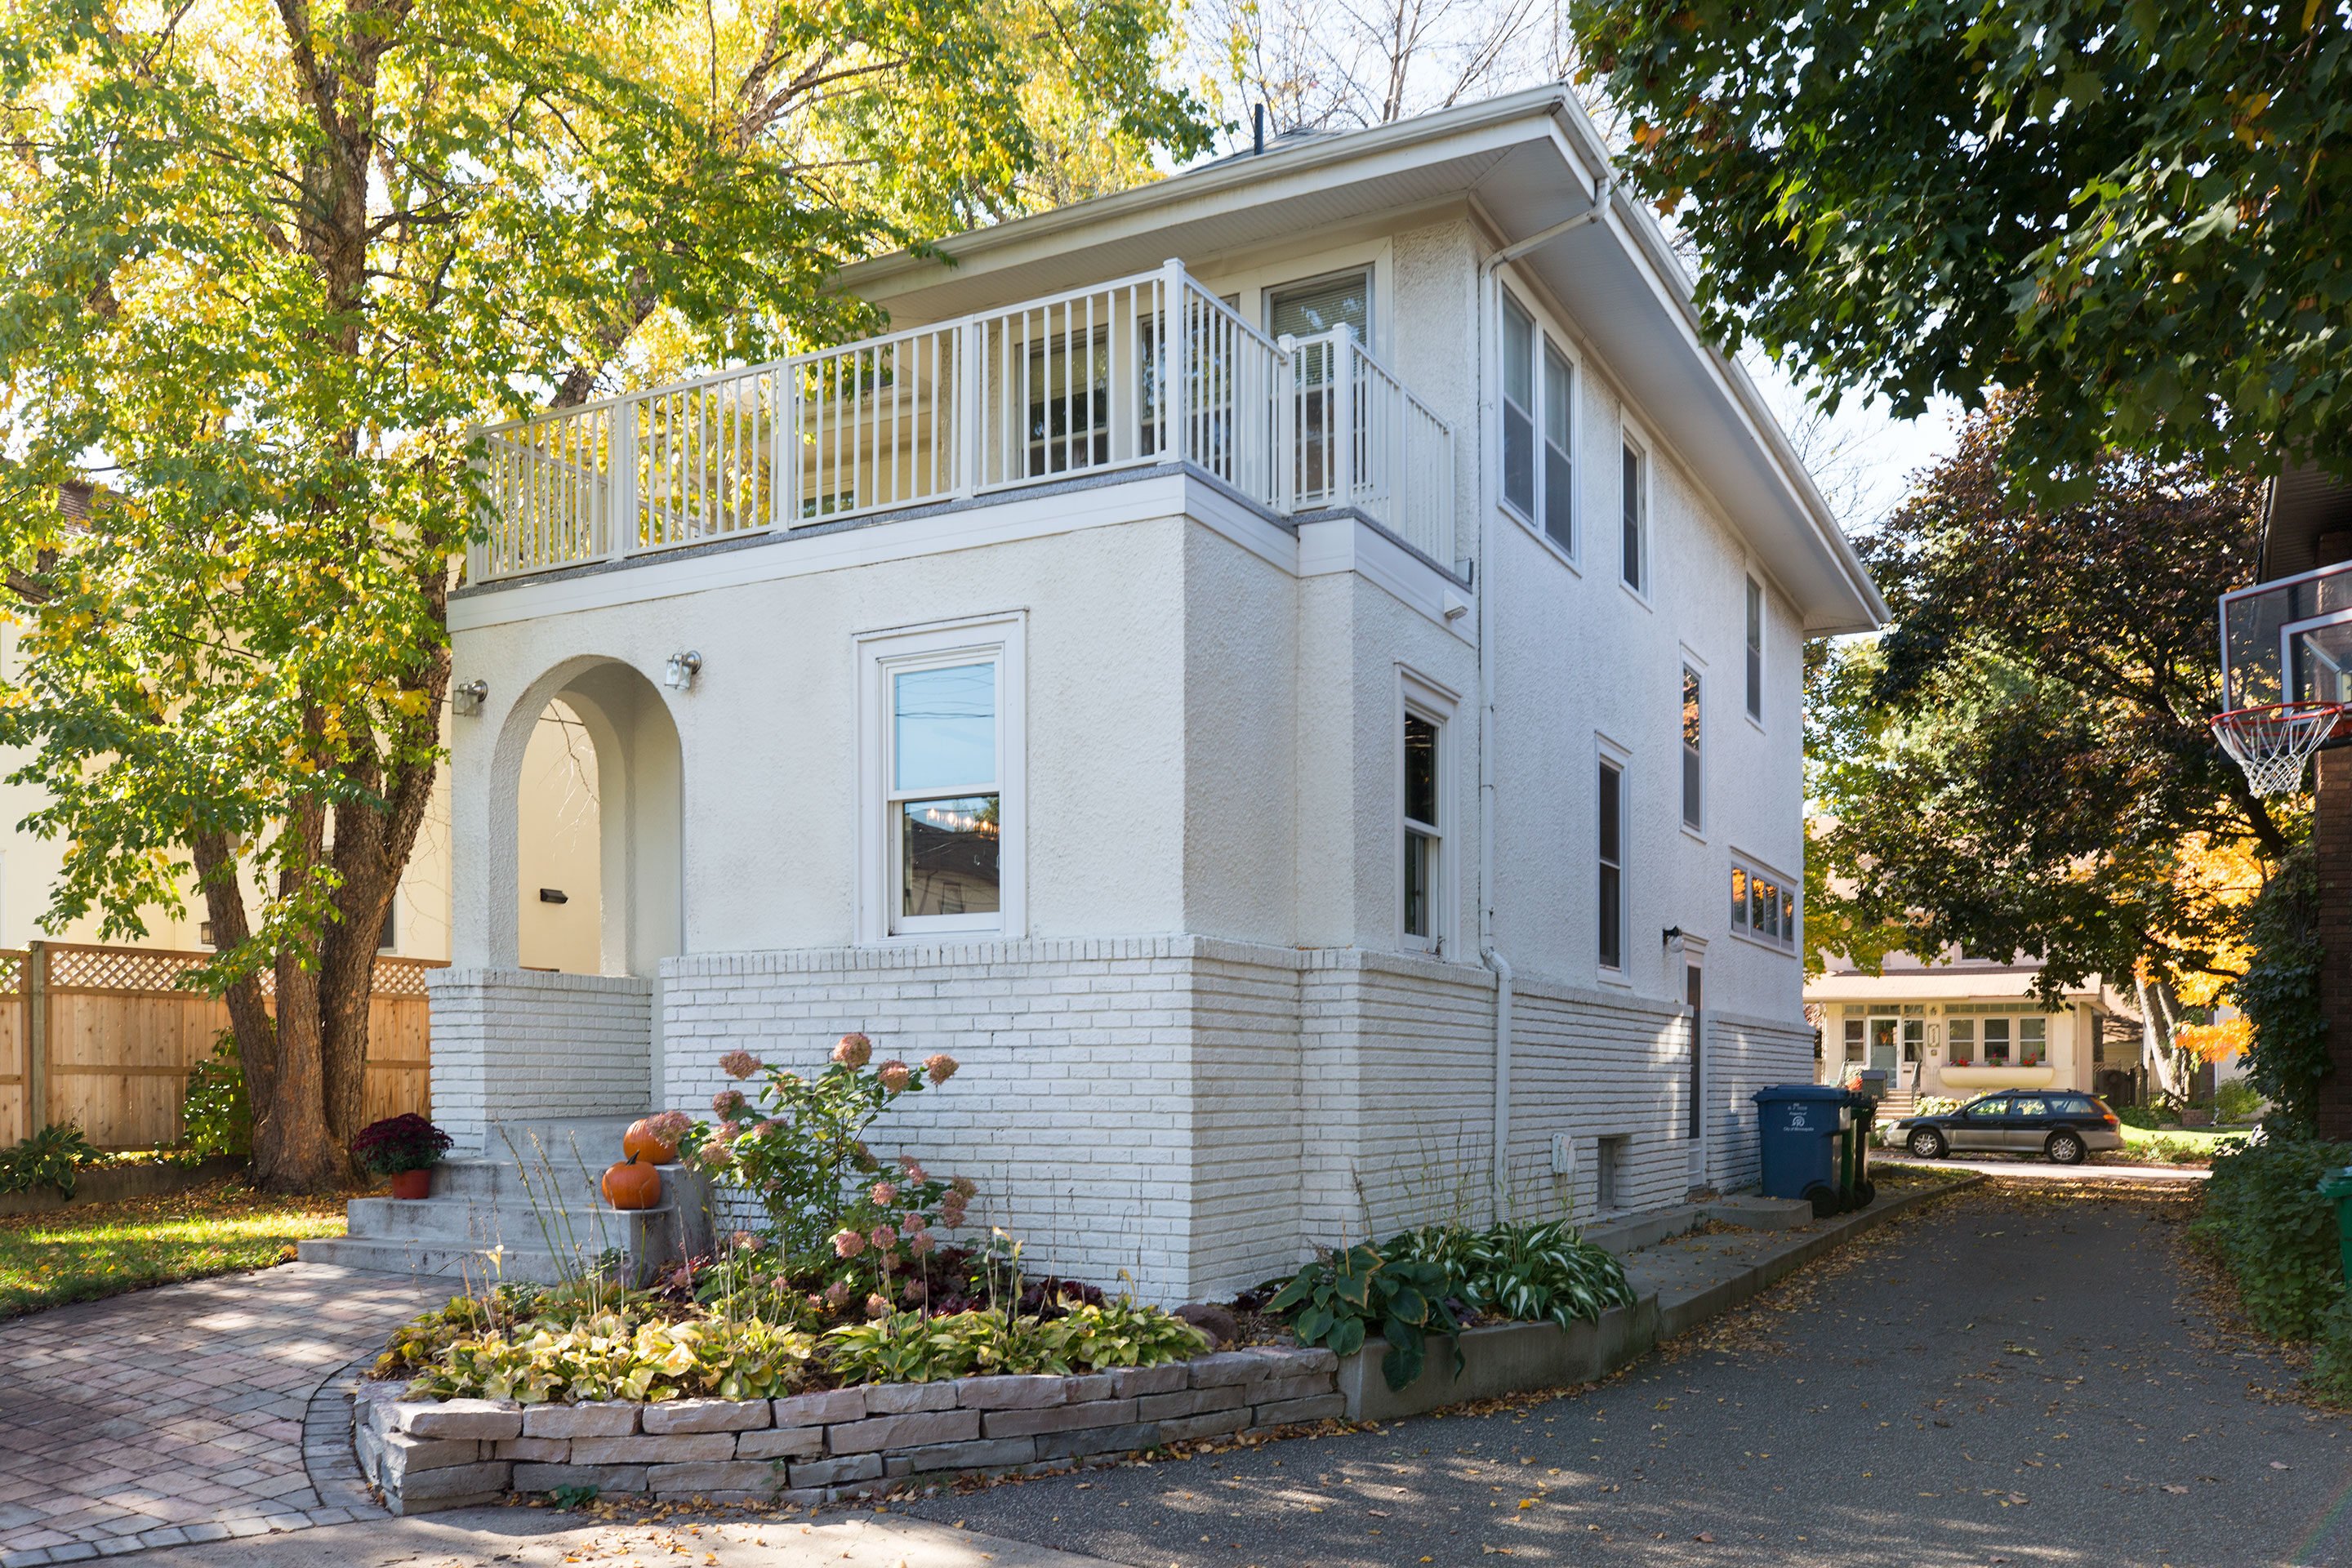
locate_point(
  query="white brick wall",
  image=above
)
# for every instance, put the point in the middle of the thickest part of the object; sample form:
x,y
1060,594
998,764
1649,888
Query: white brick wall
x,y
518,1045
1198,1114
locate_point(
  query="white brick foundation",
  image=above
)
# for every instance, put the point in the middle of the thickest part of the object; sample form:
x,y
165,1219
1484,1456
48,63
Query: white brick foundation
x,y
518,1044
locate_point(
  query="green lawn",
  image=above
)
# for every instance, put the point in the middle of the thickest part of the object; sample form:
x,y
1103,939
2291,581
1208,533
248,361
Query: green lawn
x,y
102,1249
2176,1145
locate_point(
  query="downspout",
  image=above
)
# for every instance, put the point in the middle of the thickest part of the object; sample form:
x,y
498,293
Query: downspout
x,y
1488,953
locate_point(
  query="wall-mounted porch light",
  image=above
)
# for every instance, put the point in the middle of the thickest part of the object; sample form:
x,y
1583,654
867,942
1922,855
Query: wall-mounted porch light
x,y
683,669
468,698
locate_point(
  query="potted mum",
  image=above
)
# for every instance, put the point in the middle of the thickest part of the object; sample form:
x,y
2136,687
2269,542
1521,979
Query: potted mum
x,y
406,1148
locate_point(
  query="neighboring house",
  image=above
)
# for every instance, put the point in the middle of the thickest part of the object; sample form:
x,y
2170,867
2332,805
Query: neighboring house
x,y
1961,1027
1283,672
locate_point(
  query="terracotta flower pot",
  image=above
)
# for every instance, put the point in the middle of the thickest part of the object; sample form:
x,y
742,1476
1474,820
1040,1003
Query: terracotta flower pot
x,y
413,1184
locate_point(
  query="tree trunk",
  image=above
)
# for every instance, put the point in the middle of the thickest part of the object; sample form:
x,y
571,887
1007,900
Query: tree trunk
x,y
2155,1047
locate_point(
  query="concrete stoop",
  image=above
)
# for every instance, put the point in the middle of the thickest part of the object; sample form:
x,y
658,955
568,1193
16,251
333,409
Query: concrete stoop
x,y
529,1211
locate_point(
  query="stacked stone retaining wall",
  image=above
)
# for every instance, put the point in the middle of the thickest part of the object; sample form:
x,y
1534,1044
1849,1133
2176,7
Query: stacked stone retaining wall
x,y
430,1454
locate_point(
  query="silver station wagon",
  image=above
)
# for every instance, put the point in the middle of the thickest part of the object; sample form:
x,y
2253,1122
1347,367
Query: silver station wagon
x,y
2062,1125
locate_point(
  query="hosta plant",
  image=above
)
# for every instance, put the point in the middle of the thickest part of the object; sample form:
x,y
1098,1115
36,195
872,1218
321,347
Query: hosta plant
x,y
1343,1298
916,1347
607,1357
1530,1272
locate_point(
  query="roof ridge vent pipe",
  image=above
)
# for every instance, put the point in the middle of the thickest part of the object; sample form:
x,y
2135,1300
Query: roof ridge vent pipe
x,y
1258,128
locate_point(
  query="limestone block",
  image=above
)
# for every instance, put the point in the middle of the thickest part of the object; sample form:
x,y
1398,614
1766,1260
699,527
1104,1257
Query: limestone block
x,y
457,1481
1320,1408
1225,1367
607,1419
1129,1382
704,1416
1215,1423
679,1449
1276,1389
1064,1418
1189,1402
901,1398
490,1418
820,1409
1011,1393
610,1479
785,1443
834,1472
536,1450
1098,1440
726,1476
984,1455
915,1430
405,1455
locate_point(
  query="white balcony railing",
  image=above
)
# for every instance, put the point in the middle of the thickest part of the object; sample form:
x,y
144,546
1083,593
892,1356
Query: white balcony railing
x,y
1079,383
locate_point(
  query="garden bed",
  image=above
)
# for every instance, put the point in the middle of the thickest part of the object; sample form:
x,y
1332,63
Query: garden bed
x,y
113,1182
1500,1359
426,1455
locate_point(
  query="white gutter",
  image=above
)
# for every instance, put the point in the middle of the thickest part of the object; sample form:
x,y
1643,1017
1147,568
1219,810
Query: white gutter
x,y
1488,306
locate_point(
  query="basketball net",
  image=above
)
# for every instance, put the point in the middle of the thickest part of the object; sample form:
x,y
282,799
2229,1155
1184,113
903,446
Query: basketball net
x,y
2273,742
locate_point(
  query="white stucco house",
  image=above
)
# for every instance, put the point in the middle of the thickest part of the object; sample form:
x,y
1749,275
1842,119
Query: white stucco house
x,y
1291,674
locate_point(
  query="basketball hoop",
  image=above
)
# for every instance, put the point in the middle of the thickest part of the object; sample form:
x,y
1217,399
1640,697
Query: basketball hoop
x,y
2273,742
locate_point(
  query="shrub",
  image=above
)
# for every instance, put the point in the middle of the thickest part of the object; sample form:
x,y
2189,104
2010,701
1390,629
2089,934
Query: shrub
x,y
2264,1214
2279,994
2237,1101
397,1143
1341,1298
798,1149
2331,1358
213,1110
52,1157
606,1356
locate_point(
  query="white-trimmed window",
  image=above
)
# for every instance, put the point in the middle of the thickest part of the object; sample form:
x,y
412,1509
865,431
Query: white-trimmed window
x,y
1610,885
1424,809
1635,505
1763,906
1538,428
1755,650
940,765
1519,336
1693,779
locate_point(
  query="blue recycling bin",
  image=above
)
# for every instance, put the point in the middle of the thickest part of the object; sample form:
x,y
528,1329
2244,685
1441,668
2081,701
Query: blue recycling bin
x,y
1804,1127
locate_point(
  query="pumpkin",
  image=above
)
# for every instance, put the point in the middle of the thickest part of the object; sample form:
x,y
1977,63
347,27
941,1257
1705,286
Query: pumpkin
x,y
631,1185
641,1143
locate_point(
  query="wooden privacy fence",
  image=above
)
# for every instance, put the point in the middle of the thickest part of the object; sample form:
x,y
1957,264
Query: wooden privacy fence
x,y
104,1036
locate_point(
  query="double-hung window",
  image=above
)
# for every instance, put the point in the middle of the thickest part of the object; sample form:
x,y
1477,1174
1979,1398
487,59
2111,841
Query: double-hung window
x,y
1611,796
1755,650
1424,834
1538,428
1520,337
1692,792
942,759
1635,502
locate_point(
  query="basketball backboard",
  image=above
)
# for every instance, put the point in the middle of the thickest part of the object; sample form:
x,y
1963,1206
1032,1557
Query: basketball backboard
x,y
2289,640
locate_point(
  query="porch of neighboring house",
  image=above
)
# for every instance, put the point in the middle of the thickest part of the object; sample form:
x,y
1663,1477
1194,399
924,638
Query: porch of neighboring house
x,y
1954,1031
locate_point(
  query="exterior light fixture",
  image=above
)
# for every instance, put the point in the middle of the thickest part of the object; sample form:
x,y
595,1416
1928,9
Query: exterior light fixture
x,y
468,699
683,669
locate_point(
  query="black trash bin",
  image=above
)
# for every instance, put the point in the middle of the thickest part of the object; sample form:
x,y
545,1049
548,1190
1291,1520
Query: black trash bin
x,y
1804,1128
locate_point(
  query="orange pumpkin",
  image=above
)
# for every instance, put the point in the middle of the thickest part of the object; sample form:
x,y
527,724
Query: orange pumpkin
x,y
641,1143
631,1185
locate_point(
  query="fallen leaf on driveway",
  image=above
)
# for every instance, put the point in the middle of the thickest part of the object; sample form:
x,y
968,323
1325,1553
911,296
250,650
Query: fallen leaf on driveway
x,y
2177,1491
1703,1535
2276,1466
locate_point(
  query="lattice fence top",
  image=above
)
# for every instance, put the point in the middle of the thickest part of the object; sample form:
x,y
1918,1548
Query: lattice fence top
x,y
75,967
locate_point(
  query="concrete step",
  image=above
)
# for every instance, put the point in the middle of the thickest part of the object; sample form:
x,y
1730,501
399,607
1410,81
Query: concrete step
x,y
456,1222
471,1265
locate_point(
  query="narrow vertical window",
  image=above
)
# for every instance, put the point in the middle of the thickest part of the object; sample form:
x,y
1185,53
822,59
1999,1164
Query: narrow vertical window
x,y
1739,898
1613,867
1961,1036
1559,455
1423,838
1755,650
1518,407
1635,519
944,803
1996,1042
1690,749
2033,1042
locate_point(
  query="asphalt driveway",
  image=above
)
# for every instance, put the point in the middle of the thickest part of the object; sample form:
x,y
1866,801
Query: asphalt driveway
x,y
2019,1376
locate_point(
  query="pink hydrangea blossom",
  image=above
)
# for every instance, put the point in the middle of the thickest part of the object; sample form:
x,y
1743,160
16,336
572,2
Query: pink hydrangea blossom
x,y
739,1064
894,1074
939,1067
878,1305
914,1171
916,1293
921,1243
729,1103
884,1195
951,1208
837,1293
855,1051
848,1244
769,1128
743,1240
670,1126
884,1238
910,1223
964,1187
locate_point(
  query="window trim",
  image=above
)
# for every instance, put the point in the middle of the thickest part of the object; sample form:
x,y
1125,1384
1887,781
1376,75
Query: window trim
x,y
1608,755
1790,904
1756,608
1545,339
999,638
1365,269
1693,751
1421,697
1632,441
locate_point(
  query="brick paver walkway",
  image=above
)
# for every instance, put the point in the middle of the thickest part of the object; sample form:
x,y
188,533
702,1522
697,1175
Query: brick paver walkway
x,y
180,1414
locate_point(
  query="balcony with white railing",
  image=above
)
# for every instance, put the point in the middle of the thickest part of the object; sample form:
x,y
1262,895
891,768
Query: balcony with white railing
x,y
1143,371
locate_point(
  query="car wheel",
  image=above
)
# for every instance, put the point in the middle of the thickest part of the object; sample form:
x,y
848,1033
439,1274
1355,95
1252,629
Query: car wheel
x,y
1928,1144
2065,1149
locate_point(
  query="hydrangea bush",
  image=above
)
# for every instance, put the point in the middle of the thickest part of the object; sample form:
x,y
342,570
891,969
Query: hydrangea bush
x,y
796,1145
